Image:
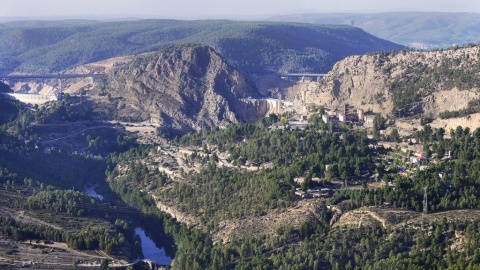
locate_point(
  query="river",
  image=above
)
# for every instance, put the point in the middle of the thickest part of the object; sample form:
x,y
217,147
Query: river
x,y
91,191
151,251
149,248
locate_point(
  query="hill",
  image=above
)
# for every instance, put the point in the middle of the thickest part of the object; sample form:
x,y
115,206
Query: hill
x,y
252,47
404,83
237,190
180,88
414,29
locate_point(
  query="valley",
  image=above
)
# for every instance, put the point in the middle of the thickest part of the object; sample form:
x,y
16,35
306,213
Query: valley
x,y
208,156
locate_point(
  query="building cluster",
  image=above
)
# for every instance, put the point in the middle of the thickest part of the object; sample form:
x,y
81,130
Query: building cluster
x,y
314,193
348,115
317,192
406,162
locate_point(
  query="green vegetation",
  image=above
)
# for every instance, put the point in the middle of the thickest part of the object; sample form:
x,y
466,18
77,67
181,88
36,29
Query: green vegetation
x,y
252,47
214,194
420,80
94,237
10,110
42,200
368,248
452,184
194,246
38,184
425,30
247,172
68,201
224,193
295,152
4,88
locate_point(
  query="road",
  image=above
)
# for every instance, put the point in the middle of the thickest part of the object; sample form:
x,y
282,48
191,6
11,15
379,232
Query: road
x,y
73,134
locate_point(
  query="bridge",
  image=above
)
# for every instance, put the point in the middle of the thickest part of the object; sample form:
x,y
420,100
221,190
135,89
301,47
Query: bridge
x,y
50,76
289,75
301,75
60,77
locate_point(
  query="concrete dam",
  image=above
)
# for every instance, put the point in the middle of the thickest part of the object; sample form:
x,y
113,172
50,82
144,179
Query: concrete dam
x,y
257,108
32,98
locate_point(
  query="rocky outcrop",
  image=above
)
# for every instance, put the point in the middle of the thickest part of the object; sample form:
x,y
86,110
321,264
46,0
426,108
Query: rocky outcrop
x,y
181,88
408,81
175,213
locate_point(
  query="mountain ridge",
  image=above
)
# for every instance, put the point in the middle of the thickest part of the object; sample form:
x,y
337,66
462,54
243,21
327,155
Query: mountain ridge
x,y
424,30
179,88
249,46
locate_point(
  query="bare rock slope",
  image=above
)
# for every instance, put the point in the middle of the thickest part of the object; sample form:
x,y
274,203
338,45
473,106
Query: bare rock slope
x,y
407,81
180,88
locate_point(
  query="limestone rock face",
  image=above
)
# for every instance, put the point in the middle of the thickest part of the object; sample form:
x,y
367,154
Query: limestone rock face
x,y
436,81
180,88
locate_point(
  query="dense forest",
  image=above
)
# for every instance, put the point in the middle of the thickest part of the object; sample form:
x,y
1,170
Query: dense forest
x,y
426,244
220,193
252,47
49,189
45,186
451,183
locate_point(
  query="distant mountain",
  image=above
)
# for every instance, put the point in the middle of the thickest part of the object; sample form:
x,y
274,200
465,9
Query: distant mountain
x,y
252,47
181,88
413,29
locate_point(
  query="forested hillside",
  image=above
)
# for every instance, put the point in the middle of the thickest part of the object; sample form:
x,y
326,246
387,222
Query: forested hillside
x,y
424,30
43,196
282,192
235,184
392,233
35,184
252,47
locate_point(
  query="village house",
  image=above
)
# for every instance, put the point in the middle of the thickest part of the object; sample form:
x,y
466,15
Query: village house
x,y
301,193
299,180
368,120
421,155
415,161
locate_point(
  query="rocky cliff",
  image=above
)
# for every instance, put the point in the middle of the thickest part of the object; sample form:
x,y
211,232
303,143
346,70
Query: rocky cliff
x,y
181,88
405,82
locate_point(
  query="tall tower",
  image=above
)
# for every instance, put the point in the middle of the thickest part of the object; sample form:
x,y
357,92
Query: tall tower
x,y
346,109
304,95
60,85
360,114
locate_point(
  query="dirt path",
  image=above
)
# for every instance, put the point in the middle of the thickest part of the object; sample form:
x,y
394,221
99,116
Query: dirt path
x,y
20,216
62,124
73,134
